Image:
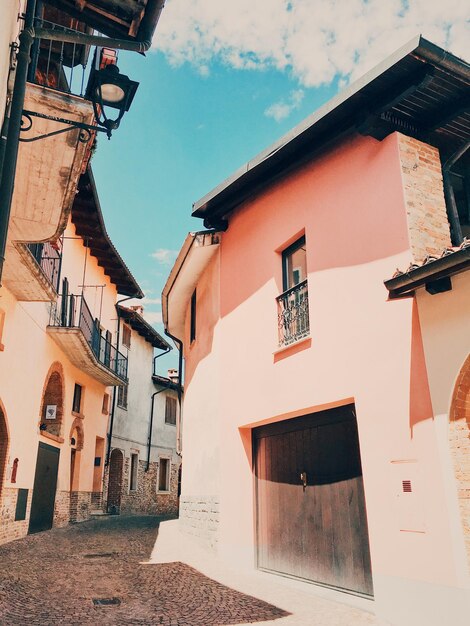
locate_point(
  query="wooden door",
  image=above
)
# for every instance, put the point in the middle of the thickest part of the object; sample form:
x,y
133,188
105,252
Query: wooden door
x,y
311,517
45,484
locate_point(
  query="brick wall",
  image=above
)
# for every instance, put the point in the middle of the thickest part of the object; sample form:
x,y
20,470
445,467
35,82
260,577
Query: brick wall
x,y
428,226
459,439
145,499
9,529
62,509
199,517
80,506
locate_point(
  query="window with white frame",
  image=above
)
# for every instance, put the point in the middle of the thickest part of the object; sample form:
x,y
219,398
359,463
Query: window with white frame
x,y
164,475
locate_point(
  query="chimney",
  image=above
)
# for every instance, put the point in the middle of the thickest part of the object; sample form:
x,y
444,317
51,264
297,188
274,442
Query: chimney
x,y
138,308
173,375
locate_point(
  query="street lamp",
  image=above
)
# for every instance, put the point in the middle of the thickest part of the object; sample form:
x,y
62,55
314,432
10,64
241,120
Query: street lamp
x,y
107,87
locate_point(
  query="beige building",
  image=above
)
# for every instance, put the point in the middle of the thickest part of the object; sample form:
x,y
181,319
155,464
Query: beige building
x,y
60,273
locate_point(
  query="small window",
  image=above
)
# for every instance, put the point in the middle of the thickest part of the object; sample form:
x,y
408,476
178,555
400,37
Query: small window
x,y
192,331
294,264
126,335
105,407
77,399
134,468
122,396
164,475
170,410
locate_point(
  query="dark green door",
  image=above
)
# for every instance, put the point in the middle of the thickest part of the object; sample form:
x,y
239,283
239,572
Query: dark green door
x,y
45,484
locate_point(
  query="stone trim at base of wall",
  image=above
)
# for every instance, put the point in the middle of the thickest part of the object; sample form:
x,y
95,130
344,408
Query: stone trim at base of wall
x,y
9,529
199,517
80,506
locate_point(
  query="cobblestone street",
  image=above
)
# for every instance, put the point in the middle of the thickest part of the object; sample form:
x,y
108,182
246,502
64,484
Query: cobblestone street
x,y
97,572
57,577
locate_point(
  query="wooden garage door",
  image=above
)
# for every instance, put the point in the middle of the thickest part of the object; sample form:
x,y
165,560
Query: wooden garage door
x,y
311,518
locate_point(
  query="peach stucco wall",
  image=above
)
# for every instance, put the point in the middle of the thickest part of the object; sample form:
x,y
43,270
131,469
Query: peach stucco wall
x,y
362,348
28,354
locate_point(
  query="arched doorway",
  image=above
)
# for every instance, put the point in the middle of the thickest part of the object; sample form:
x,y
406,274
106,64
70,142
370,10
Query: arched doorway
x,y
52,405
459,440
76,446
3,448
116,464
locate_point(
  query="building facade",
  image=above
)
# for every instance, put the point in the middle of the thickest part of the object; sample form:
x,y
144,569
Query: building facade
x,y
60,273
143,472
316,432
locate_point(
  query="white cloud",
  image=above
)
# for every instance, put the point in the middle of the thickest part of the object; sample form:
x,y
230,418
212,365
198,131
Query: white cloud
x,y
282,109
165,256
149,301
153,317
315,40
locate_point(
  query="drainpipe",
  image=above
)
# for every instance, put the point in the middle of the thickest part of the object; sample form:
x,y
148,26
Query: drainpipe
x,y
456,229
157,356
11,146
180,388
113,407
149,440
27,37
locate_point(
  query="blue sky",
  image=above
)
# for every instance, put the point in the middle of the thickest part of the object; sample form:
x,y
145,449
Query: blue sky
x,y
222,82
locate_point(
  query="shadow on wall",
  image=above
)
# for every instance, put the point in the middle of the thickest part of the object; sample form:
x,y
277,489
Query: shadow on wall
x,y
350,203
420,395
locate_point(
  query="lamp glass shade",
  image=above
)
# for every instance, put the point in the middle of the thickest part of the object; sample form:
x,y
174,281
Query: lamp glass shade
x,y
111,93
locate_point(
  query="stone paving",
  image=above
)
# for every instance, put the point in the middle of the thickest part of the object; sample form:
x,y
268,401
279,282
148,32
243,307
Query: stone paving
x,y
54,577
105,572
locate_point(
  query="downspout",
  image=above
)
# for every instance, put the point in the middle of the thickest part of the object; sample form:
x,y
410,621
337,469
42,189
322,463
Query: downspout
x,y
10,156
113,406
149,439
27,37
179,389
456,229
157,356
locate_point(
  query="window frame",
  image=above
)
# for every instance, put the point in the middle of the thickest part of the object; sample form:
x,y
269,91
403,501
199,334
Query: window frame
x,y
286,254
80,399
192,318
134,472
126,335
170,401
168,474
122,395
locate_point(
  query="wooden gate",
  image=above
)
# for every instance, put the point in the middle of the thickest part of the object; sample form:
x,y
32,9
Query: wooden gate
x,y
45,484
311,517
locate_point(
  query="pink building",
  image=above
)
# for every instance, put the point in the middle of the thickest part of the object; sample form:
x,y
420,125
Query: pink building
x,y
312,443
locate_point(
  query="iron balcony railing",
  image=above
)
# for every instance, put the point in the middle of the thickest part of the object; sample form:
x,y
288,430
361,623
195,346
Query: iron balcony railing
x,y
292,311
49,258
72,311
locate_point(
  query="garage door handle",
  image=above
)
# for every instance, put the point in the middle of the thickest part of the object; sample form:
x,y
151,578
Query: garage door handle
x,y
303,478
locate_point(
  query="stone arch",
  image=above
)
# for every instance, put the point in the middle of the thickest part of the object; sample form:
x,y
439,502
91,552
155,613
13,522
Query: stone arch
x,y
4,444
76,440
53,394
459,440
116,466
76,432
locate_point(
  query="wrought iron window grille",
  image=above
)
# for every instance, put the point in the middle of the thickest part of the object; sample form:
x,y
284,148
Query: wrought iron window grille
x,y
293,314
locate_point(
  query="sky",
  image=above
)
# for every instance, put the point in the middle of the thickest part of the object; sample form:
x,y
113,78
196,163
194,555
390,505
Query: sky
x,y
222,81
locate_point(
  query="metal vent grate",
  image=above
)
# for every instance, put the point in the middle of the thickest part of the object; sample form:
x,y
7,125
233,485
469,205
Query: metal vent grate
x,y
406,486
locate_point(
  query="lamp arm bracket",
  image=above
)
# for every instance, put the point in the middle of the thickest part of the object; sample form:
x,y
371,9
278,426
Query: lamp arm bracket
x,y
83,137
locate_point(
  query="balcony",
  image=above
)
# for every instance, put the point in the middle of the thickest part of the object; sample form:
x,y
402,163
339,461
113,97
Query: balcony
x,y
73,328
34,271
292,314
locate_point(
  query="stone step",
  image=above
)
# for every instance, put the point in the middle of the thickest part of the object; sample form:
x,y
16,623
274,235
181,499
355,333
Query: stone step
x,y
98,513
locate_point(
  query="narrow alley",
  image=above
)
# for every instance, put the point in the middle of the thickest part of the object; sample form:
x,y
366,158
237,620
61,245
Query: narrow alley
x,y
96,573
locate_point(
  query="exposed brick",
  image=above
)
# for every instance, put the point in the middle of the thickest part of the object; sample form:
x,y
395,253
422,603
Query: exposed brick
x,y
199,517
424,197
